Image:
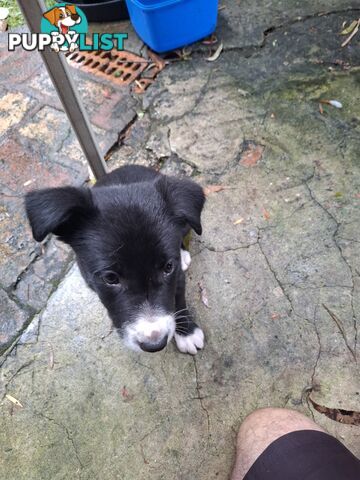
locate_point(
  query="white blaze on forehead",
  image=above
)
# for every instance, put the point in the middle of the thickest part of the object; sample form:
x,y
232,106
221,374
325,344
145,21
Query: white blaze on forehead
x,y
149,321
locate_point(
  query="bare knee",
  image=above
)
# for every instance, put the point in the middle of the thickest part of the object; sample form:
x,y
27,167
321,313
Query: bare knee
x,y
272,423
260,429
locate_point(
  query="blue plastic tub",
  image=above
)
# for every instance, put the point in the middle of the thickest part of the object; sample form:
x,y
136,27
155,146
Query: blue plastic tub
x,y
168,24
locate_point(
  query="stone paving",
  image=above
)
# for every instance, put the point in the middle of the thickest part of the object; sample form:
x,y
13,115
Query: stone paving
x,y
278,259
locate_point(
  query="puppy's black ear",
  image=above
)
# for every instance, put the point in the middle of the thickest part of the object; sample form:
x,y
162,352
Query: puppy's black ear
x,y
57,210
185,199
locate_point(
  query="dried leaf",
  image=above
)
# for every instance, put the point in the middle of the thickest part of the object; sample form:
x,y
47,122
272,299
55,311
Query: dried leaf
x,y
210,40
333,103
352,34
350,28
142,84
347,417
107,94
251,155
127,397
14,400
217,53
266,214
213,189
160,62
321,110
238,221
203,295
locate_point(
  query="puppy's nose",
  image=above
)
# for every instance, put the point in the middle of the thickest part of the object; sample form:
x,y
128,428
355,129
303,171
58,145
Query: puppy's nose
x,y
154,346
74,17
154,336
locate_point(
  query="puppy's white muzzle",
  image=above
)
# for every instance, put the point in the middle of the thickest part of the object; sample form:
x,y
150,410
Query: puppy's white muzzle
x,y
150,330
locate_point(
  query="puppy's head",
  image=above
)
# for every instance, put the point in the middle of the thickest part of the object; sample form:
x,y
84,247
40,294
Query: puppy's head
x,y
63,17
127,240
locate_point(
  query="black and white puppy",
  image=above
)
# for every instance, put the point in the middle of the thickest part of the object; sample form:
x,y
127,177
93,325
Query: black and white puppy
x,y
127,235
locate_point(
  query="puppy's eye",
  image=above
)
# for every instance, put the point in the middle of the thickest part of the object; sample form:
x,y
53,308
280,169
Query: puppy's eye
x,y
169,268
110,278
61,15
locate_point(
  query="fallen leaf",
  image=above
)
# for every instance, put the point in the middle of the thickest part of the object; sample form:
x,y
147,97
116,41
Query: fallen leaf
x,y
14,400
266,214
217,53
321,110
142,84
352,34
251,155
347,417
160,62
107,94
350,28
238,221
127,397
209,189
203,295
184,53
210,40
333,103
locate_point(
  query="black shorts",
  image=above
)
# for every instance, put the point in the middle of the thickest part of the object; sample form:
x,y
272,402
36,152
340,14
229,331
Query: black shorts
x,y
305,455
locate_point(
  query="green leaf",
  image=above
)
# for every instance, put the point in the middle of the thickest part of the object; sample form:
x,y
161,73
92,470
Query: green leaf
x,y
350,28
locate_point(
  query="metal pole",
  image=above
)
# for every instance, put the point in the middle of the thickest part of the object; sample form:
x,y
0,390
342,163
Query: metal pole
x,y
61,78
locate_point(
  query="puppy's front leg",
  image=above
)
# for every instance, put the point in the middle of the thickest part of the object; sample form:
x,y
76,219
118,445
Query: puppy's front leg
x,y
188,336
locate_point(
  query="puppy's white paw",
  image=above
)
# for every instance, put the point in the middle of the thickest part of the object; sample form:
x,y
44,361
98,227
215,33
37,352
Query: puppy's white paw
x,y
55,47
185,260
190,343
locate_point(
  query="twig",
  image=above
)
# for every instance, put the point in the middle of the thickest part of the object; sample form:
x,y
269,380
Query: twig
x,y
353,33
341,328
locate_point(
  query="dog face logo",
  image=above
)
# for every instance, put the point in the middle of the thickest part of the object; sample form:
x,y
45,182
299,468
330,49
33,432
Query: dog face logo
x,y
63,18
64,23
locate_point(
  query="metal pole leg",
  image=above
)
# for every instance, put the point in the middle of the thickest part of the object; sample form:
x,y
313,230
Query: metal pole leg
x,y
61,78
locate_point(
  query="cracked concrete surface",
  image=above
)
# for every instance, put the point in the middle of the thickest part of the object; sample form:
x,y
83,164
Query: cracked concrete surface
x,y
279,259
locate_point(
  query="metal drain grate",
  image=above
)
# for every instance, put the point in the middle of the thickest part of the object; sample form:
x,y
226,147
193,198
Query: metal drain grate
x,y
121,68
